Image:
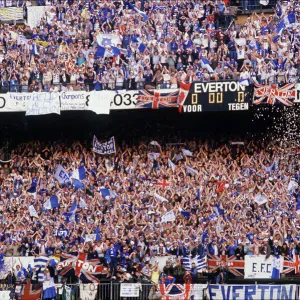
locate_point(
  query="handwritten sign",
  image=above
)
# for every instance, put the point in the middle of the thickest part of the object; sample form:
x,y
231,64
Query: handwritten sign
x,y
43,104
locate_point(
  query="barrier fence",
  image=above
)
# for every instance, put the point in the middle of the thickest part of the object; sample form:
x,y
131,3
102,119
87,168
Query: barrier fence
x,y
137,291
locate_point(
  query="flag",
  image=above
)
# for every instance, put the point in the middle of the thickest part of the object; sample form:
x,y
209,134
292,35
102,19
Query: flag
x,y
41,262
178,157
153,155
66,294
276,38
141,13
51,203
171,165
32,211
82,203
276,267
201,262
187,152
100,52
168,217
156,99
116,51
292,186
61,175
278,10
164,183
108,39
183,93
176,291
186,262
155,143
191,171
107,193
264,2
218,210
244,82
185,214
97,239
142,47
260,199
108,147
198,194
286,21
206,65
79,173
71,214
78,184
280,26
160,198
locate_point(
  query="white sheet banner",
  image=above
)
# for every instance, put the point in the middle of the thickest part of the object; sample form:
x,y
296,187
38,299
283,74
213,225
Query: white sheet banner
x,y
168,217
257,266
43,104
5,295
130,289
88,291
35,15
11,13
104,148
254,292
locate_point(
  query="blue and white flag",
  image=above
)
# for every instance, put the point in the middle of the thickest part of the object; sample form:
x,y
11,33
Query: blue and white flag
x,y
178,157
62,175
160,198
97,239
199,194
51,203
101,51
108,193
191,171
104,148
205,64
108,39
71,214
79,173
153,155
141,13
244,82
200,262
82,203
78,184
276,267
168,217
171,165
185,214
285,22
41,262
32,211
142,47
187,152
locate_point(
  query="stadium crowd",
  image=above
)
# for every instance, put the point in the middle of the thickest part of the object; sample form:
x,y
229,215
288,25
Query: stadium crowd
x,y
110,45
226,199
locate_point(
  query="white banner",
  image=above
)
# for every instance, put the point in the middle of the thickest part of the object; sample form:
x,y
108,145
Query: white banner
x,y
100,102
35,14
257,266
43,104
104,148
130,290
168,217
88,291
61,175
108,39
11,13
5,295
254,292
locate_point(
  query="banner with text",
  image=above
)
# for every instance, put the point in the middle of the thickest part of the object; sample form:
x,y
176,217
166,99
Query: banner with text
x,y
104,148
254,292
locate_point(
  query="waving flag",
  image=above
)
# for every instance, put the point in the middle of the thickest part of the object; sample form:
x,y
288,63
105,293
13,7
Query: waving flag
x,y
153,155
108,39
79,173
160,198
62,175
244,82
156,99
171,165
206,65
164,183
191,171
51,203
82,203
187,152
107,193
141,13
71,214
286,22
291,266
199,261
198,194
32,211
78,184
235,266
276,268
183,93
41,262
271,94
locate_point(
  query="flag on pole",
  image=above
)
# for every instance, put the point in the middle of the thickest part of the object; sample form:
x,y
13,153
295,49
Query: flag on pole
x,y
79,173
171,165
51,203
187,152
191,171
206,65
141,13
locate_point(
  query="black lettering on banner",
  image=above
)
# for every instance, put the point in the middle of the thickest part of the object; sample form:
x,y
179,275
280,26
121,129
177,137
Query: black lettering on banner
x,y
2,102
126,99
94,288
87,100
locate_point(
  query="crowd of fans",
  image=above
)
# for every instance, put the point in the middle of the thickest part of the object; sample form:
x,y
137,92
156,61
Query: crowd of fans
x,y
237,200
159,50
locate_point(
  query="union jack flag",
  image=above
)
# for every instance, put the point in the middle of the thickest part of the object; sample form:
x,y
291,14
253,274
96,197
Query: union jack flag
x,y
236,267
176,291
272,94
156,99
291,267
78,264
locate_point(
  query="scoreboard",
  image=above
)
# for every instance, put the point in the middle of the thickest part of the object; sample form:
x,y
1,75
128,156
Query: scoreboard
x,y
216,96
